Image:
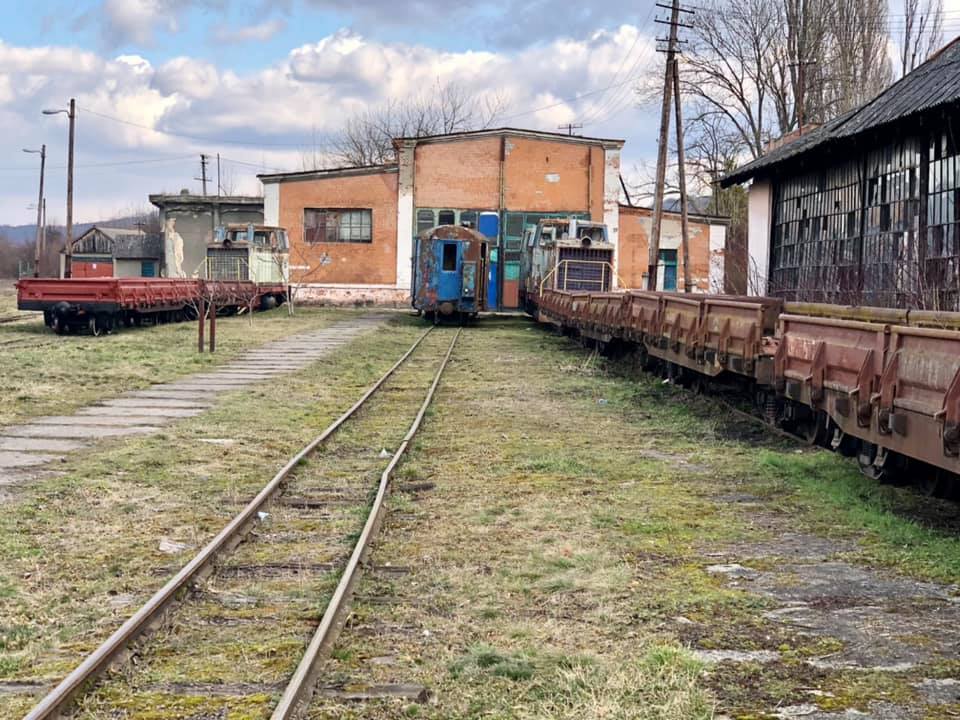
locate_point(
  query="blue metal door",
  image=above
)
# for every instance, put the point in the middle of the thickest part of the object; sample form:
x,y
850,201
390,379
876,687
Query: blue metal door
x,y
489,225
668,259
449,258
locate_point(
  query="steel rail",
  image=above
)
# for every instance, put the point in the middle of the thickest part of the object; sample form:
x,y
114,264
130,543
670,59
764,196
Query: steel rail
x,y
300,689
150,614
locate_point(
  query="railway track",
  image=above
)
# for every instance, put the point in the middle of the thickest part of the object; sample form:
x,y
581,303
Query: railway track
x,y
236,637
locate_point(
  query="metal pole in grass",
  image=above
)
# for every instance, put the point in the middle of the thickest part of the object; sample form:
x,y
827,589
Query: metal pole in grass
x,y
201,319
213,327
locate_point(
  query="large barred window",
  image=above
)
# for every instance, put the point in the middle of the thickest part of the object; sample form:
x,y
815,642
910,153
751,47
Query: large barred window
x,y
337,226
941,276
891,223
816,236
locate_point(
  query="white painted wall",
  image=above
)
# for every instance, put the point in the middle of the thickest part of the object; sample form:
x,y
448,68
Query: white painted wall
x,y
405,161
271,204
718,245
611,203
759,217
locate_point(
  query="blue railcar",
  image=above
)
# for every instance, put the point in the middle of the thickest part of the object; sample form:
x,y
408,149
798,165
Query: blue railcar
x,y
450,271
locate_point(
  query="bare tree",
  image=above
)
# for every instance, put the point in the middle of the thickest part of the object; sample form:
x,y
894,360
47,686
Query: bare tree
x,y
367,137
725,69
858,61
922,32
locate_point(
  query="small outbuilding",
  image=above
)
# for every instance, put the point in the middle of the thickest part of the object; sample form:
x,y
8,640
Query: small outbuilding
x,y
114,252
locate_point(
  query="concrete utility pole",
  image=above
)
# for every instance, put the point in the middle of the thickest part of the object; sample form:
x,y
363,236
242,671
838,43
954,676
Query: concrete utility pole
x,y
653,256
203,173
40,203
68,247
681,160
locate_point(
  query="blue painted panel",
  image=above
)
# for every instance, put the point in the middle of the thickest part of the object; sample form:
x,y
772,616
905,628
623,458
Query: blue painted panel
x,y
469,280
489,224
493,280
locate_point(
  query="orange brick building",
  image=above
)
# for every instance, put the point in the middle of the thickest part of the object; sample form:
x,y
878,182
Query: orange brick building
x,y
707,250
351,230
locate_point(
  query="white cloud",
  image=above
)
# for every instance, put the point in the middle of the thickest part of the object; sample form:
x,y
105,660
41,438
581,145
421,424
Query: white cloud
x,y
278,108
135,21
260,32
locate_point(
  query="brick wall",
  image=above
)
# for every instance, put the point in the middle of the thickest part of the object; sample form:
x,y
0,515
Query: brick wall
x,y
357,263
635,227
539,175
552,176
462,174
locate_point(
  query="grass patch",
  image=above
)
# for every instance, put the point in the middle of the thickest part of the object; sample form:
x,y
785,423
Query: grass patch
x,y
49,375
842,497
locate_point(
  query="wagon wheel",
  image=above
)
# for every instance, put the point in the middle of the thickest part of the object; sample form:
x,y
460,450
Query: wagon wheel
x,y
698,384
813,429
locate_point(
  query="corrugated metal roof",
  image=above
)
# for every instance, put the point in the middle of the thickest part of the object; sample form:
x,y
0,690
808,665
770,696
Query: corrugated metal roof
x,y
935,83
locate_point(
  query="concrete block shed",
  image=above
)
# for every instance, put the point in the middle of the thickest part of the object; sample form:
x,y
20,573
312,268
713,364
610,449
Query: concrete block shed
x,y
189,222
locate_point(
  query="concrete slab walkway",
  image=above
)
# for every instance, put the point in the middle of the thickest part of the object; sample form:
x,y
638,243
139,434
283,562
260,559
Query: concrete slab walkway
x,y
26,449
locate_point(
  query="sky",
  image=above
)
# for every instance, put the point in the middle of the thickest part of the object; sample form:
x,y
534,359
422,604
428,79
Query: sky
x,y
158,82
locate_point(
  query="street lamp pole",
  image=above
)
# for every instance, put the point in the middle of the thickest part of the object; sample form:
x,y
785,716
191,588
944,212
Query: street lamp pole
x,y
69,258
68,250
36,252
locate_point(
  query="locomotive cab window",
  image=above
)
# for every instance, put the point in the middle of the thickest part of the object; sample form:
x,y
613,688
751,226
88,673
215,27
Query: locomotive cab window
x,y
449,256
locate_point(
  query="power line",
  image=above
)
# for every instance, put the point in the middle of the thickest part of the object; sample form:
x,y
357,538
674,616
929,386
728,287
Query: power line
x,y
173,158
189,136
623,62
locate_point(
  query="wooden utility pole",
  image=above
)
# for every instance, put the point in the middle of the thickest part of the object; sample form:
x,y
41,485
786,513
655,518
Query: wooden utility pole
x,y
653,256
681,160
570,127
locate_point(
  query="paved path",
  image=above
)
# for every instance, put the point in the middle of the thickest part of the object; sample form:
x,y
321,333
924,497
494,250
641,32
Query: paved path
x,y
27,448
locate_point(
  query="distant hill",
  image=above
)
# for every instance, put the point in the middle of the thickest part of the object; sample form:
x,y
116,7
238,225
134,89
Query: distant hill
x,y
23,234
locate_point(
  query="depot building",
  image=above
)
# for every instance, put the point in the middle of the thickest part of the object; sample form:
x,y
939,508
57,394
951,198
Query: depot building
x,y
351,230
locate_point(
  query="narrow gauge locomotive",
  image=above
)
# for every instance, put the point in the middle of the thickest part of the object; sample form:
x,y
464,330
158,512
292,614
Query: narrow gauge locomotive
x,y
449,272
880,384
565,254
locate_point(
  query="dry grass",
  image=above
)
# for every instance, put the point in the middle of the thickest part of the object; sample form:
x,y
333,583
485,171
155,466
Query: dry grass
x,y
570,527
81,550
49,375
555,570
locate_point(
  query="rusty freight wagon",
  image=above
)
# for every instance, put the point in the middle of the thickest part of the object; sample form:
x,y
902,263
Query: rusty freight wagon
x,y
449,272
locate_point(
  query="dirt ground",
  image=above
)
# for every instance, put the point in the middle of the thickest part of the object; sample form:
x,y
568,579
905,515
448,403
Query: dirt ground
x,y
580,543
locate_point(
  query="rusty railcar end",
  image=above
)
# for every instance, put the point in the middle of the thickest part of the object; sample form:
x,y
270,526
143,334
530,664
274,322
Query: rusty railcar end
x,y
450,271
